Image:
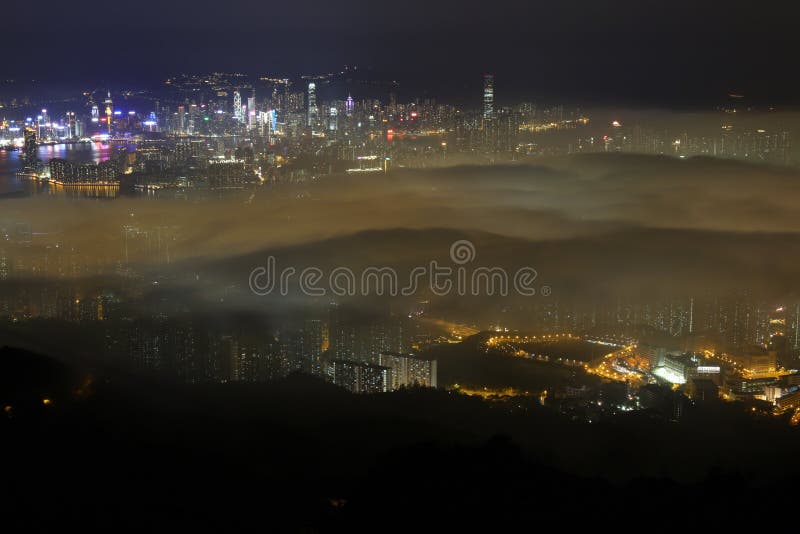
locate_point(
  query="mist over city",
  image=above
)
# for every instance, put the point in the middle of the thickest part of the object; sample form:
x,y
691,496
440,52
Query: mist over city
x,y
430,266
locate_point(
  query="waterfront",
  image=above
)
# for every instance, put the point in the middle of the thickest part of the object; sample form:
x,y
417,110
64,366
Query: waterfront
x,y
80,152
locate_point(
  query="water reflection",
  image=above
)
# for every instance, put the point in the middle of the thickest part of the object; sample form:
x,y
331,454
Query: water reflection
x,y
79,152
77,191
12,186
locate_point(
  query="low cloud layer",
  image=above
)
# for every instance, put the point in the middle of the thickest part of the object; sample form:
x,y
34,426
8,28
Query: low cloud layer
x,y
605,221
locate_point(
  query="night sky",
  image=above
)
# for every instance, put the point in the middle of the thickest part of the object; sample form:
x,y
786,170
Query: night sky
x,y
627,51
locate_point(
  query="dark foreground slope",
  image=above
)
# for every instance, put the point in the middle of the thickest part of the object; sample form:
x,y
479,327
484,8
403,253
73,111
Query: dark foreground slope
x,y
88,450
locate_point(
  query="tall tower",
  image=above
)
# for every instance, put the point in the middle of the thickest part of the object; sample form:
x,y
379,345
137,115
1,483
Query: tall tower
x,y
333,119
237,106
43,122
72,125
181,119
349,105
251,112
109,110
312,105
488,96
30,148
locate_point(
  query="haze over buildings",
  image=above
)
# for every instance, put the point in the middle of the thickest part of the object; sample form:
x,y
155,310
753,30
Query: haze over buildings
x,y
354,266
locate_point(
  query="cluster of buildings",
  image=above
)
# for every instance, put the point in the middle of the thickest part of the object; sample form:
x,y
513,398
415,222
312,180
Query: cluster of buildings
x,y
64,172
729,323
359,358
748,375
753,144
363,353
241,131
393,371
48,129
281,129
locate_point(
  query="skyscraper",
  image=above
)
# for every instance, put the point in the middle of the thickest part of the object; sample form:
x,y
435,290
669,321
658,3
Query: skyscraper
x,y
43,124
237,106
30,148
488,96
312,105
333,119
409,370
74,126
109,111
359,377
251,112
181,119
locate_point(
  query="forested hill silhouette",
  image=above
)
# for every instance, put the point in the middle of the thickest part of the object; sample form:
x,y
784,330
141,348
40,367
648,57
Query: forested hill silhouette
x,y
302,455
27,379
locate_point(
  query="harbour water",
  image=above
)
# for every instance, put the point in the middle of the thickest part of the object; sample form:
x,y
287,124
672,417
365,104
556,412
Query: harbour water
x,y
10,163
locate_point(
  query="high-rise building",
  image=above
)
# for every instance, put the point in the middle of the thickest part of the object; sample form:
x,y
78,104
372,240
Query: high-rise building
x,y
74,126
302,347
251,112
333,119
254,359
109,105
30,148
312,105
194,113
358,377
181,119
43,124
68,172
226,174
488,96
409,370
342,333
237,106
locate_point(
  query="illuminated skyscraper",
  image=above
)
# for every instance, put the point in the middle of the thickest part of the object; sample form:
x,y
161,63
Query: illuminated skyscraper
x,y
488,96
333,119
251,112
109,104
237,106
74,126
181,119
312,105
349,105
43,123
30,148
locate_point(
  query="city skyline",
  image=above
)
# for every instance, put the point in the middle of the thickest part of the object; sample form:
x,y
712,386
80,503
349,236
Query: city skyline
x,y
658,53
428,266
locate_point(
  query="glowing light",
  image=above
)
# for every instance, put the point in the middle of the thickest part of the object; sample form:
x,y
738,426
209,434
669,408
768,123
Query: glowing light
x,y
669,375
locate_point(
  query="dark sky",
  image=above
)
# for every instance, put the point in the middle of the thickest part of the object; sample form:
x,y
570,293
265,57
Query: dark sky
x,y
645,51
